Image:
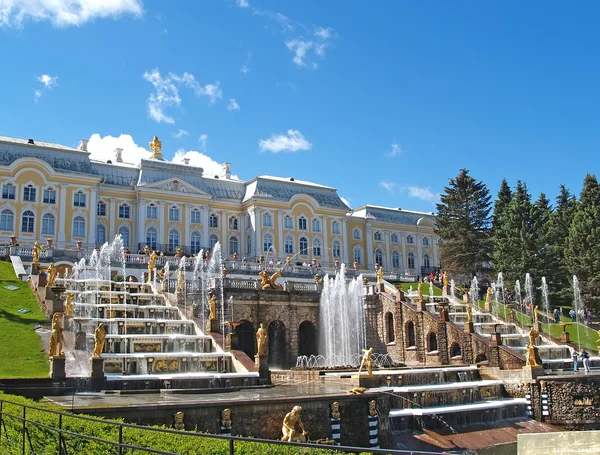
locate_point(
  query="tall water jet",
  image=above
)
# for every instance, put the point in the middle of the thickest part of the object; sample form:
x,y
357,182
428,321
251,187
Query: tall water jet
x,y
452,288
342,332
500,285
545,301
474,291
578,305
431,291
518,293
529,294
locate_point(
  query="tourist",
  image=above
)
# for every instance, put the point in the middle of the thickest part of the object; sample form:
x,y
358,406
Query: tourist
x,y
556,315
585,358
573,315
574,357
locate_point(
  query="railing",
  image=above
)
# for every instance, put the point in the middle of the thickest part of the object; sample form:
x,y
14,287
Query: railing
x,y
29,429
186,250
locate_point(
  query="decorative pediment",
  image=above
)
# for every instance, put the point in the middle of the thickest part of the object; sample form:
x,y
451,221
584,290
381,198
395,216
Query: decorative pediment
x,y
175,185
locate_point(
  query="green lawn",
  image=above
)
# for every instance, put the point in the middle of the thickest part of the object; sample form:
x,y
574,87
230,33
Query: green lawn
x,y
21,351
424,287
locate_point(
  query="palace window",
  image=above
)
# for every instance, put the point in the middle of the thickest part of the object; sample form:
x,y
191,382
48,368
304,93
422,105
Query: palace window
x,y
195,216
316,247
249,244
48,223
101,209
378,237
378,257
233,245
302,224
151,212
411,260
79,199
173,213
151,238
267,242
49,196
267,219
78,227
8,191
358,255
426,261
316,225
425,241
337,249
395,260
233,223
394,238
303,245
288,222
213,241
100,235
124,211
196,242
248,221
124,233
27,221
335,227
289,245
410,240
173,240
356,234
6,220
213,221
29,193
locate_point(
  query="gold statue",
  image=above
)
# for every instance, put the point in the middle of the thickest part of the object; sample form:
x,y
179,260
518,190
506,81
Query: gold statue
x,y
445,279
318,278
35,252
287,260
420,293
469,313
156,149
178,421
261,341
99,337
269,282
533,334
69,308
379,274
152,265
536,314
51,271
357,391
488,296
530,357
335,410
465,295
212,305
57,337
366,362
226,418
293,429
180,286
372,408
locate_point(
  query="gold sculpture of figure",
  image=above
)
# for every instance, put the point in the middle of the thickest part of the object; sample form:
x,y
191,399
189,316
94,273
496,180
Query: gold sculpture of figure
x,y
180,282
357,390
288,260
212,305
445,279
533,334
69,309
335,410
57,338
530,357
52,270
270,282
379,275
488,296
156,149
469,313
178,421
536,314
372,408
366,362
293,429
152,265
261,341
465,295
318,278
420,293
226,418
35,252
99,337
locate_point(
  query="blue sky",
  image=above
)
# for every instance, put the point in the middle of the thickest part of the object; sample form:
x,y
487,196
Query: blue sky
x,y
384,100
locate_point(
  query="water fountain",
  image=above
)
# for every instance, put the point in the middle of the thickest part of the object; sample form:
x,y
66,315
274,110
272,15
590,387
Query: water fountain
x,y
518,296
578,305
529,293
545,300
474,292
342,331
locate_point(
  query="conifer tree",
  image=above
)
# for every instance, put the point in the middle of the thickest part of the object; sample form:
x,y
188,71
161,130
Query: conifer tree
x,y
500,241
463,224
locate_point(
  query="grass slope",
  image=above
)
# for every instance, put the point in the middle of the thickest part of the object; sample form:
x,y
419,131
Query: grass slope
x,y
424,288
21,351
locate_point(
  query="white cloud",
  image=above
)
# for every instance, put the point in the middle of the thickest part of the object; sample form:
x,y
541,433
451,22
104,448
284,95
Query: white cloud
x,y
388,186
181,133
395,149
36,95
47,80
210,166
103,148
323,33
245,69
304,49
203,139
64,13
300,48
423,193
292,142
167,92
242,3
233,105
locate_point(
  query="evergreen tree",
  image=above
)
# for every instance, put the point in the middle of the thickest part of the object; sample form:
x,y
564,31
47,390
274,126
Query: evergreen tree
x,y
582,247
540,218
463,224
500,241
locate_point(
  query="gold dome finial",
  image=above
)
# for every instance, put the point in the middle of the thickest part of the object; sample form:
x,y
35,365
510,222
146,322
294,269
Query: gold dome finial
x,y
155,148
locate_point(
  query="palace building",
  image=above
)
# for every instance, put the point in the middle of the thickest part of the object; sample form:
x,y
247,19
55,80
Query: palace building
x,y
57,193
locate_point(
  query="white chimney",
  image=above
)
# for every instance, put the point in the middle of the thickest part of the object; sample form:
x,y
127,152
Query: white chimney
x,y
83,145
119,154
226,170
186,161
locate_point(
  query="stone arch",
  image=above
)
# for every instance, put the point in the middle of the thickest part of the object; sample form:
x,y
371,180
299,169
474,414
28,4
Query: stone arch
x,y
481,357
307,339
455,350
410,334
432,344
389,327
277,351
246,337
132,278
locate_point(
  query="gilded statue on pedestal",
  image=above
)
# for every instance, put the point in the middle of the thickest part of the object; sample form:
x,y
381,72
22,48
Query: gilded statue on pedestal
x,y
261,341
469,313
52,270
69,308
178,421
445,279
212,306
372,408
379,274
57,337
335,410
488,296
536,314
420,293
293,429
180,286
152,265
156,149
226,418
35,252
533,334
99,337
530,357
270,282
366,362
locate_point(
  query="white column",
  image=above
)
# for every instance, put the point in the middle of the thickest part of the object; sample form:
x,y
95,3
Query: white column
x,y
93,211
369,258
205,236
257,247
419,259
186,225
162,237
435,251
279,233
242,243
62,213
141,222
224,226
346,239
388,252
112,214
325,240
404,261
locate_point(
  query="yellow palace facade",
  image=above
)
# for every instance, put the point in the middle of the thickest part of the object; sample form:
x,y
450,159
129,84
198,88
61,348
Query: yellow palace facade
x,y
57,193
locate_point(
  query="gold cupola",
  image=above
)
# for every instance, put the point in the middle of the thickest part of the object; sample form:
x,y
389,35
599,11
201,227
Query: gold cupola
x,y
156,149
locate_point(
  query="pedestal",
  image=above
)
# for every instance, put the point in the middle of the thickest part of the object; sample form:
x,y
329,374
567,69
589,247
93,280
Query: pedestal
x,y
98,377
212,325
487,307
445,291
49,295
468,327
530,372
263,368
380,287
58,304
234,341
57,368
365,380
496,338
421,305
537,326
35,269
80,341
565,338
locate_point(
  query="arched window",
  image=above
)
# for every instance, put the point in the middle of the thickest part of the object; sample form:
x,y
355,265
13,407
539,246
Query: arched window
x,y
303,245
173,240
267,242
425,241
316,247
411,260
267,219
48,223
410,334
302,223
455,350
213,221
396,260
100,234
78,227
358,255
213,241
335,227
124,211
8,191
378,257
337,249
195,216
378,236
233,245
289,245
6,220
124,233
288,222
249,244
195,242
28,222
233,224
356,234
432,339
426,261
410,240
394,238
151,238
316,225
389,322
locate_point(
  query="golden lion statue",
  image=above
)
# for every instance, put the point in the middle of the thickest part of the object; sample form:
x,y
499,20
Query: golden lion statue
x,y
269,282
